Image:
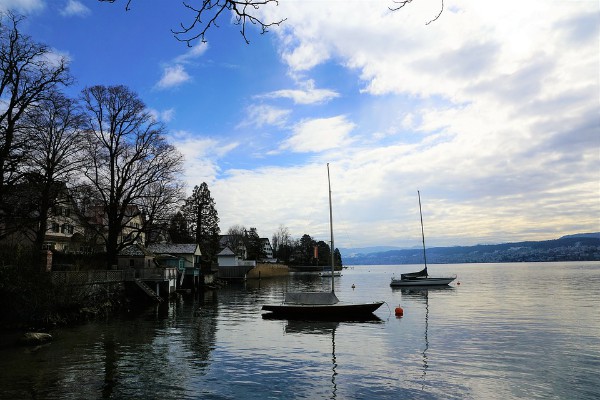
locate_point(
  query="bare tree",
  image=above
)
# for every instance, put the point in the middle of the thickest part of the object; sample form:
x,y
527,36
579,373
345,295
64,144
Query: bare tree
x,y
28,73
208,13
127,155
281,238
235,240
159,204
53,130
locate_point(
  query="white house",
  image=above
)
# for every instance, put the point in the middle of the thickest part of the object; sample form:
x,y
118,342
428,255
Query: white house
x,y
230,266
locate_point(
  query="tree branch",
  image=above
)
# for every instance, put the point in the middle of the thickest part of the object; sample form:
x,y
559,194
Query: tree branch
x,y
402,3
210,11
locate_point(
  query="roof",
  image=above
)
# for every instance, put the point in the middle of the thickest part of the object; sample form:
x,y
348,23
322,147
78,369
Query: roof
x,y
226,252
165,248
135,250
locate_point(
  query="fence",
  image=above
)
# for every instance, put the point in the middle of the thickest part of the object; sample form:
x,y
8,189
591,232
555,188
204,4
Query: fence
x,y
91,277
109,276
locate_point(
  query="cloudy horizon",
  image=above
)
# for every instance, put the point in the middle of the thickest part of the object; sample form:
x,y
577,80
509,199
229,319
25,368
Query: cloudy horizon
x,y
491,111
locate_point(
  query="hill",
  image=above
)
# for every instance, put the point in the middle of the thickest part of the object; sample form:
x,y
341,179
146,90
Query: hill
x,y
581,247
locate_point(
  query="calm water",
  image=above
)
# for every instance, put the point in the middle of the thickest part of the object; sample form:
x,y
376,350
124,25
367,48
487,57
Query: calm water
x,y
507,331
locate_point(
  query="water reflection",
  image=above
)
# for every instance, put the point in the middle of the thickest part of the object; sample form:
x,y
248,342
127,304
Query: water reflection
x,y
452,343
318,328
421,295
327,327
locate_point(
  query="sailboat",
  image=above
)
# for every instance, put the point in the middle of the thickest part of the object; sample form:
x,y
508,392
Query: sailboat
x,y
328,274
322,305
421,278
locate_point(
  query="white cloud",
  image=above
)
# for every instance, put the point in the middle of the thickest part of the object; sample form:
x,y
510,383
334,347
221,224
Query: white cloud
x,y
260,115
173,76
164,115
23,6
201,156
484,101
197,51
75,8
317,135
307,95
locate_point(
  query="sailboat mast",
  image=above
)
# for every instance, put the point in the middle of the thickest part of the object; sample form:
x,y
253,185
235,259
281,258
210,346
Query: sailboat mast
x,y
422,231
331,229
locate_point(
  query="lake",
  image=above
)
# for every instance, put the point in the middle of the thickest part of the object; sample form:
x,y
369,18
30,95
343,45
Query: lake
x,y
508,331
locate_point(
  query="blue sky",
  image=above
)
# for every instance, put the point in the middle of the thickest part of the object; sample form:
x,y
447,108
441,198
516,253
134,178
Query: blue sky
x,y
492,111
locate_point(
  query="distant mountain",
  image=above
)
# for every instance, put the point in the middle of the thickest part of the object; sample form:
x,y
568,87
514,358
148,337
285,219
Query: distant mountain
x,y
584,235
349,252
580,247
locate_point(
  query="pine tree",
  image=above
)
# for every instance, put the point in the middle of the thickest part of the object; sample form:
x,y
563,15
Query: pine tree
x,y
178,229
203,220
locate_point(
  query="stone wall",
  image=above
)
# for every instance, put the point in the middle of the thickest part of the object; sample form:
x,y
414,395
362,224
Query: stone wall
x,y
267,270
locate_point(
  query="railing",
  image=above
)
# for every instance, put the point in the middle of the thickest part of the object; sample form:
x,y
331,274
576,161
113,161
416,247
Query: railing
x,y
156,274
109,276
246,263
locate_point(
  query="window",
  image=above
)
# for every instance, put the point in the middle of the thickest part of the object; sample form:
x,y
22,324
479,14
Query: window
x,y
55,227
67,229
85,249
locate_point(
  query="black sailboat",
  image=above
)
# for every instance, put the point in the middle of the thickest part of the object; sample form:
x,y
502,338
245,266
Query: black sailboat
x,y
421,278
322,305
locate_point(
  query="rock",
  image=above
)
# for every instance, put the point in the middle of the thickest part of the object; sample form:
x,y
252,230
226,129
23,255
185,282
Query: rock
x,y
33,338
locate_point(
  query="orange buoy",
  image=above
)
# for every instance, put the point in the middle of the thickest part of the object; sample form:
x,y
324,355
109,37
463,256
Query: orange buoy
x,y
399,311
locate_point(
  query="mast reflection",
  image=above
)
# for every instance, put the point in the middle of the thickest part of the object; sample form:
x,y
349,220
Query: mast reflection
x,y
321,327
421,295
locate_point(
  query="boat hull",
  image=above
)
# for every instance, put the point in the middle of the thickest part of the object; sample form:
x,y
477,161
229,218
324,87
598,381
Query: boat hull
x,y
328,274
442,281
339,310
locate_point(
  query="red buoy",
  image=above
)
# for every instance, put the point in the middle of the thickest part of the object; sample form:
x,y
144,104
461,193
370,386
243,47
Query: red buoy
x,y
399,311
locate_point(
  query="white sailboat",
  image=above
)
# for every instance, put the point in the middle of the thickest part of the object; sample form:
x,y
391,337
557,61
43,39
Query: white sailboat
x,y
421,278
322,305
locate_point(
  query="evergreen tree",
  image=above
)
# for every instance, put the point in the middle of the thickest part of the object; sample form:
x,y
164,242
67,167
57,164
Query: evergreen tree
x,y
178,229
306,250
203,220
254,245
337,257
323,253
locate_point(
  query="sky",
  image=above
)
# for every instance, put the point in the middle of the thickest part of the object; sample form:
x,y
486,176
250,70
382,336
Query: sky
x,y
491,111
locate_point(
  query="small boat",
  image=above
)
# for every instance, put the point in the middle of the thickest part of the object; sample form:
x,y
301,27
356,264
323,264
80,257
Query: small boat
x,y
329,274
321,305
421,278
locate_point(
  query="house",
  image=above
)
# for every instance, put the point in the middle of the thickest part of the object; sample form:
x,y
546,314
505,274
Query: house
x,y
267,250
136,257
235,243
227,258
65,230
161,279
133,223
187,258
231,267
